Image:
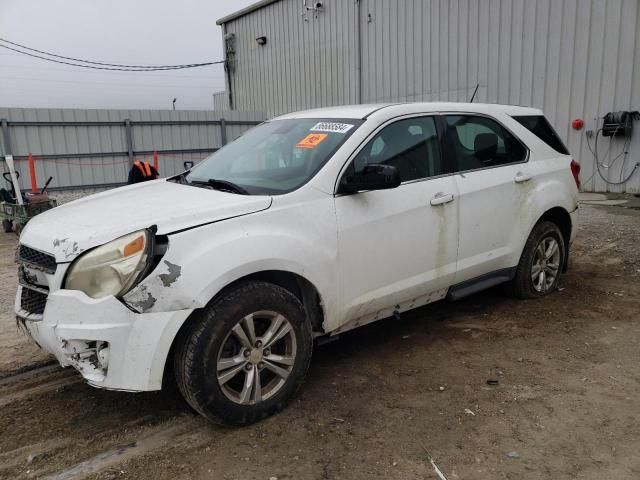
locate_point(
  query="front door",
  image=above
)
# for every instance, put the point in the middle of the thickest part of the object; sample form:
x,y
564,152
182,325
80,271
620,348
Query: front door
x,y
398,247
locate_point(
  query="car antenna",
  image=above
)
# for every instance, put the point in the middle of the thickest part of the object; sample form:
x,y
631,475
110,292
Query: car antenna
x,y
474,93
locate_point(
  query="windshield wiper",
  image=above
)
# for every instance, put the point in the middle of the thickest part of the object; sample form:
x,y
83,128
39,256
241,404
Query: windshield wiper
x,y
222,185
181,178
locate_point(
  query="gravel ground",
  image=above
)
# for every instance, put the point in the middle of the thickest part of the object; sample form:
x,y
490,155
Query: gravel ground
x,y
565,405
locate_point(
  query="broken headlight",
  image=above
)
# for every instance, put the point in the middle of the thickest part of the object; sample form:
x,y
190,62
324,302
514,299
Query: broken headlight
x,y
111,269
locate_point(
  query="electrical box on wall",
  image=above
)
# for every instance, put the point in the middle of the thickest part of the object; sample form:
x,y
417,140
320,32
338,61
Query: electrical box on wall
x,y
618,124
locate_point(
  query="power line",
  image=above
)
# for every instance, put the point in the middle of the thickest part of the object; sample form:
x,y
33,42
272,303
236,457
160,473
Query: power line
x,y
200,74
141,67
102,66
92,82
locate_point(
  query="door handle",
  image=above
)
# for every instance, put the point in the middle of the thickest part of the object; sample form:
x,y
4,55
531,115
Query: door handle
x,y
441,198
521,177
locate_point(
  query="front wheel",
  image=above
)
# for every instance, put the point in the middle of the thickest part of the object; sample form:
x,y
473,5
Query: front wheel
x,y
245,355
7,225
541,262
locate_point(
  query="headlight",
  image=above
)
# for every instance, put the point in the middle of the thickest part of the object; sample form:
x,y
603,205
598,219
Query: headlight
x,y
113,268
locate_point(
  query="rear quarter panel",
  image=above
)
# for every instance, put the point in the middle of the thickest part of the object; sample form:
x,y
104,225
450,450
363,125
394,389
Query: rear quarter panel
x,y
552,185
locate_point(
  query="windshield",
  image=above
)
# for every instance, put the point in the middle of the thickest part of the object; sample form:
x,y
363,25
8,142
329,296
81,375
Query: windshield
x,y
275,157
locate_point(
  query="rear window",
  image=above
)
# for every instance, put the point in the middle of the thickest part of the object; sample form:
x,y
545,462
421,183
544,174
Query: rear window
x,y
540,127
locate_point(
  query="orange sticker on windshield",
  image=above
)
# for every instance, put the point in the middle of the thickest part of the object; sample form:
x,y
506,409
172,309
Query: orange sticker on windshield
x,y
312,140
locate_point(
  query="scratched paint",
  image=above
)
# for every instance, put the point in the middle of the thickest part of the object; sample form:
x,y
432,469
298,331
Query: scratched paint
x,y
71,250
172,275
59,241
141,299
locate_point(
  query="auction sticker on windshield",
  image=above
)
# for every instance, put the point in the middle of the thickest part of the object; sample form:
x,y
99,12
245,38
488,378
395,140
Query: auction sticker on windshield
x,y
332,127
312,140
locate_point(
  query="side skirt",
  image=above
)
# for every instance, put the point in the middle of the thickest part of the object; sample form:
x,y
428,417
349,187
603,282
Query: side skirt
x,y
475,285
391,311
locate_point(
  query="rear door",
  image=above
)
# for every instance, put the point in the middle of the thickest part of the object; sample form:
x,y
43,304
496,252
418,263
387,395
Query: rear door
x,y
398,246
491,175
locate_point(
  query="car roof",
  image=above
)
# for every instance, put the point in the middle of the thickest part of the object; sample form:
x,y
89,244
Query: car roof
x,y
364,110
343,111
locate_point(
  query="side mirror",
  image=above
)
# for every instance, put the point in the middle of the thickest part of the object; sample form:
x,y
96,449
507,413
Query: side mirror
x,y
372,177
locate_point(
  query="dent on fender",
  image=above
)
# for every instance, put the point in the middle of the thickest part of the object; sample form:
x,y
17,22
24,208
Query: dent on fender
x,y
152,291
140,299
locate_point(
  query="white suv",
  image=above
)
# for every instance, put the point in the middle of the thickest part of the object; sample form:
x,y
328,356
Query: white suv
x,y
310,224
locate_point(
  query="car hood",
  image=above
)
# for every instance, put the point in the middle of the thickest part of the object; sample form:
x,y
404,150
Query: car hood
x,y
68,230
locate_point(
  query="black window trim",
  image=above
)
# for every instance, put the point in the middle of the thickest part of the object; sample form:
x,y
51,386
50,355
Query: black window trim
x,y
440,129
553,132
446,154
449,148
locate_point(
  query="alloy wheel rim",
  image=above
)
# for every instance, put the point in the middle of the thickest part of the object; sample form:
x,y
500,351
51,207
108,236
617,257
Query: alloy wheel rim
x,y
256,357
546,264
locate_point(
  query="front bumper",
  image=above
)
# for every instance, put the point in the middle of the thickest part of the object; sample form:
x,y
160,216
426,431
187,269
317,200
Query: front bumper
x,y
75,327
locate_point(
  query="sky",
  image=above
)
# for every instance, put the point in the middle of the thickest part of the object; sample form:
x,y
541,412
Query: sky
x,y
165,32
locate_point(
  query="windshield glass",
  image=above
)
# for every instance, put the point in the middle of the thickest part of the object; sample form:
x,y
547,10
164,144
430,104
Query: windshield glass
x,y
275,157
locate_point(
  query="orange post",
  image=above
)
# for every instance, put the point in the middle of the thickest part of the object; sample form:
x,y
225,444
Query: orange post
x,y
32,174
155,160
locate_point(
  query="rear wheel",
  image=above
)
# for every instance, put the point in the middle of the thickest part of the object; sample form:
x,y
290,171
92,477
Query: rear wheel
x,y
245,356
541,262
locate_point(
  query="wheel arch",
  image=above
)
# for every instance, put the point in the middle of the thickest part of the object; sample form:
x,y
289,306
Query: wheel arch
x,y
299,286
303,289
560,216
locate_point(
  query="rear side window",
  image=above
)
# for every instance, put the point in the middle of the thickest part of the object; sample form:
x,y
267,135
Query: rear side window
x,y
480,142
541,128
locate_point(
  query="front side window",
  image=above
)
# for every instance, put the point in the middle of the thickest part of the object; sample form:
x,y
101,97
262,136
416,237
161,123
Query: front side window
x,y
480,142
411,145
275,157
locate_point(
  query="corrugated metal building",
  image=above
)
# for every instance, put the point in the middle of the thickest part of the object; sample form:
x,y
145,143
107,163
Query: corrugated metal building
x,y
220,101
572,58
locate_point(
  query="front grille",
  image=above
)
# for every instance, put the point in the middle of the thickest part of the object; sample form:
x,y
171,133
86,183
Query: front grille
x,y
33,301
37,259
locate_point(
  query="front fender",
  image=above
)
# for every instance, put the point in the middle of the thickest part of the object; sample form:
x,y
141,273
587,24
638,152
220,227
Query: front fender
x,y
200,262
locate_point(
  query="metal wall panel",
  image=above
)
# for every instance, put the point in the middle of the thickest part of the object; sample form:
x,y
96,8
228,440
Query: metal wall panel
x,y
572,58
306,60
220,101
81,148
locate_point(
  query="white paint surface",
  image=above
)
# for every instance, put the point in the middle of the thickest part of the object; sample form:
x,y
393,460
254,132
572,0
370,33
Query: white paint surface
x,y
367,254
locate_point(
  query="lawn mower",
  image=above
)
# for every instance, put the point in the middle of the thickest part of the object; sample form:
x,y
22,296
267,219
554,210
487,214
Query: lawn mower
x,y
16,208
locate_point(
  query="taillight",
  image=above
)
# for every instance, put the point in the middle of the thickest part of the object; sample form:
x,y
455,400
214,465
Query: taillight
x,y
575,170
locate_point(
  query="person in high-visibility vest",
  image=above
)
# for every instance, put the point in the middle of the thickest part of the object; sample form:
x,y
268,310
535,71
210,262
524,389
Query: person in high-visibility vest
x,y
142,171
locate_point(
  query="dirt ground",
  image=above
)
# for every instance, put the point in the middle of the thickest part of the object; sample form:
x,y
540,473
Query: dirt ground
x,y
566,403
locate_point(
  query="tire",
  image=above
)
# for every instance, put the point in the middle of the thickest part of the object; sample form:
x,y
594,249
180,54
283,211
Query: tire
x,y
219,356
538,273
18,228
7,225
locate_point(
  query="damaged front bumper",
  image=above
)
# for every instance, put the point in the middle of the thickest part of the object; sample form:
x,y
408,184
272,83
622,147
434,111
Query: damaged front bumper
x,y
110,345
